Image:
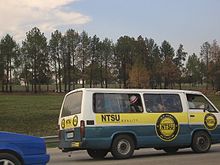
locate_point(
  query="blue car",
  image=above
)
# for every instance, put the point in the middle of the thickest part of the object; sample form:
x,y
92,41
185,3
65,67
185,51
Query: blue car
x,y
18,149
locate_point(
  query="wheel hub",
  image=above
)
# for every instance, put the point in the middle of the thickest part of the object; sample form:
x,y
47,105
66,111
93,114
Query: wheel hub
x,y
6,162
202,142
123,147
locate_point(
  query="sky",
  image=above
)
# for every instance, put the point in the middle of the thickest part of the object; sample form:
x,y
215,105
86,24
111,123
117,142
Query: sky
x,y
187,22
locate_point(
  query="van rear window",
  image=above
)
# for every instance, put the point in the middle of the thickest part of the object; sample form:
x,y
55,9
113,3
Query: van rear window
x,y
72,104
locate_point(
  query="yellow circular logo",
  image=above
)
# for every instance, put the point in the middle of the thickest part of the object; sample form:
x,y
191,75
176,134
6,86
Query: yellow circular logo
x,y
75,121
63,123
210,121
167,127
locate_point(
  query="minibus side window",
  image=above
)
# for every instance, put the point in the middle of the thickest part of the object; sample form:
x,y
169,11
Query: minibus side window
x,y
153,103
172,103
198,102
159,103
117,103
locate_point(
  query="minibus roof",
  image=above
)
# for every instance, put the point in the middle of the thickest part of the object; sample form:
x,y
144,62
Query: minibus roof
x,y
120,90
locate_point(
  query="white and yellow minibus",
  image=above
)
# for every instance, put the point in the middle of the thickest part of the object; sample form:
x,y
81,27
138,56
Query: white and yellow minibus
x,y
123,120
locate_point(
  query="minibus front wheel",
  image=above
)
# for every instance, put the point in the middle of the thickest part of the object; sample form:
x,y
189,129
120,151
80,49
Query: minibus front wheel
x,y
201,142
122,147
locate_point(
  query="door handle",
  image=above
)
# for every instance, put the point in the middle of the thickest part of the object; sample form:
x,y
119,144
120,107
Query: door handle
x,y
192,115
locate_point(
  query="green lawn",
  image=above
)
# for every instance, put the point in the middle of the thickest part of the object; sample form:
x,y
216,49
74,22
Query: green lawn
x,y
37,114
30,114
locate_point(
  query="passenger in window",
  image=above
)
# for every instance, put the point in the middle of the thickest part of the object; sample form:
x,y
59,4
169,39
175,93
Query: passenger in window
x,y
134,104
158,106
153,103
109,104
190,99
171,105
99,104
168,104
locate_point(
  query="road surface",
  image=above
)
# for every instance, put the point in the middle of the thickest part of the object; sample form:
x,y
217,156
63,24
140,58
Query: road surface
x,y
140,157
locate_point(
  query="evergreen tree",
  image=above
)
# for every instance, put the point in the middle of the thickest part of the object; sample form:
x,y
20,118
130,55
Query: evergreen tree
x,y
179,61
124,55
94,44
72,39
106,59
8,56
194,68
168,66
2,65
153,63
214,65
55,56
82,56
36,49
206,57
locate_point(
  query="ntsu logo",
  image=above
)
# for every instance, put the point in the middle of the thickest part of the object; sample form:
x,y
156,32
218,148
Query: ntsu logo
x,y
210,121
110,118
75,121
167,127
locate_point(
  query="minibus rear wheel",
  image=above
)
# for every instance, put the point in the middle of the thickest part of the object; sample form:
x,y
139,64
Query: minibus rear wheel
x,y
122,147
171,150
201,142
97,154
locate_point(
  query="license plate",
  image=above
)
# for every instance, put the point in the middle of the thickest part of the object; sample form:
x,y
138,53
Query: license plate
x,y
75,144
69,135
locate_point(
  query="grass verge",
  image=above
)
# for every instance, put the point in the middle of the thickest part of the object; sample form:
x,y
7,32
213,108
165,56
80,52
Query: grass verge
x,y
30,114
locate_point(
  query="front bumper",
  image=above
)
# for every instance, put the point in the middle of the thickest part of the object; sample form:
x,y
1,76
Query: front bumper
x,y
36,159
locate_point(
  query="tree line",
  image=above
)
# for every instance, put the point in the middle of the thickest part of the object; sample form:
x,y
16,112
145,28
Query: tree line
x,y
76,59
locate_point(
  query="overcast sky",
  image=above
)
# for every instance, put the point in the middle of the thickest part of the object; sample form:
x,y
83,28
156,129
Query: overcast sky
x,y
189,22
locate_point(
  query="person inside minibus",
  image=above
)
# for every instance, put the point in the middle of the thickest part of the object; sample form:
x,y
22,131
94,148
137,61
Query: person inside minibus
x,y
135,104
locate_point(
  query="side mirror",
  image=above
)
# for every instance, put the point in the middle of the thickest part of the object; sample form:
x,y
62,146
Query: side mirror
x,y
206,108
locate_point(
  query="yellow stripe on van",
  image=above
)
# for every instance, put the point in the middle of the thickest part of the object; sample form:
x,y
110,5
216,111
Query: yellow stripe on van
x,y
132,118
196,117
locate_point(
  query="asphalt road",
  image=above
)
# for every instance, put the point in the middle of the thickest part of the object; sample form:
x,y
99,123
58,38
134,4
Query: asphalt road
x,y
140,157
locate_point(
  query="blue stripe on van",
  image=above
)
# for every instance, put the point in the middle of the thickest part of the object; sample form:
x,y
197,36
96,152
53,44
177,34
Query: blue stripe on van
x,y
146,136
101,137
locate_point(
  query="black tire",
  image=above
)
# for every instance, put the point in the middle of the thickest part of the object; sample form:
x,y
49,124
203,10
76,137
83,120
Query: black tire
x,y
201,142
97,154
171,150
122,147
9,159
